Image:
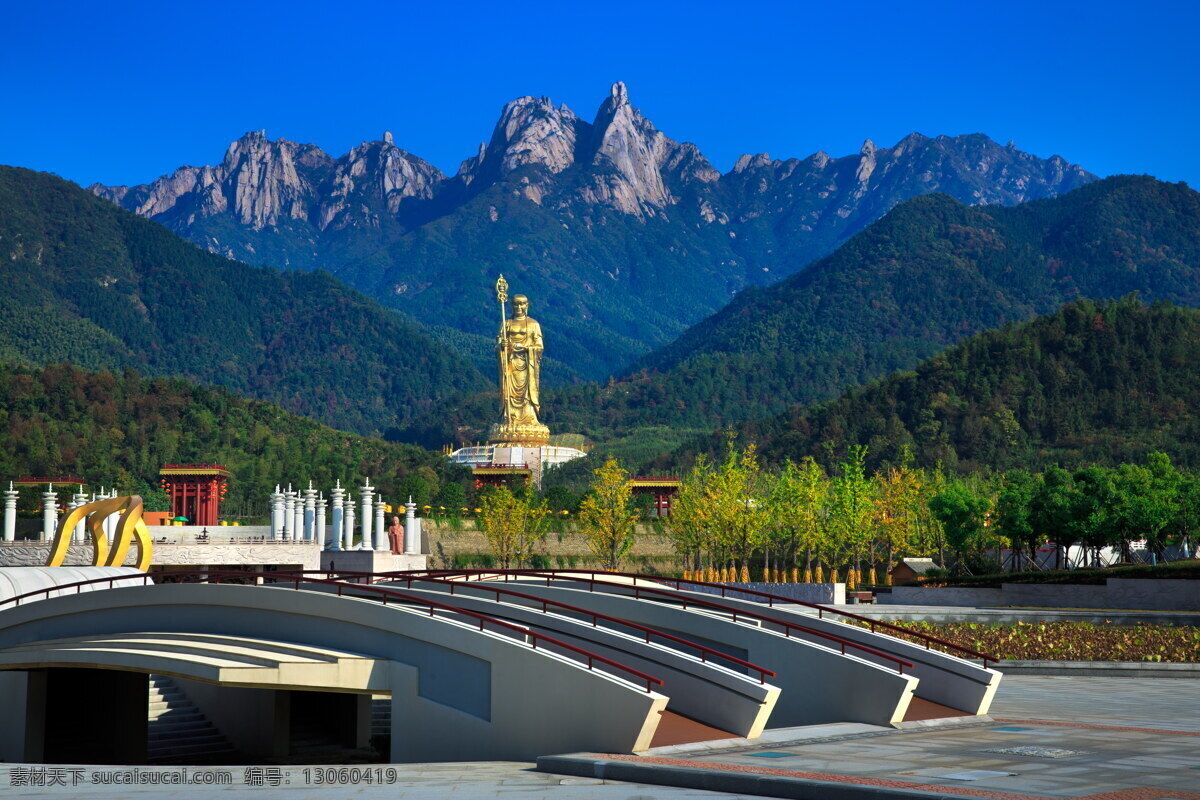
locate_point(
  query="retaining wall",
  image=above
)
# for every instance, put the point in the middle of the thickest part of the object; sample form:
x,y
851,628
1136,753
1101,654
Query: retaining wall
x,y
445,541
1116,593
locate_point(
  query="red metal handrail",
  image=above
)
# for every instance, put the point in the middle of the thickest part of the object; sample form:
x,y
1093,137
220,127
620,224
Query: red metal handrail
x,y
386,592
705,651
736,612
772,598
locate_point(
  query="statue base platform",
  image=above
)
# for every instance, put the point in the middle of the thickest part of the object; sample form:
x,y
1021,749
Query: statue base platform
x,y
528,435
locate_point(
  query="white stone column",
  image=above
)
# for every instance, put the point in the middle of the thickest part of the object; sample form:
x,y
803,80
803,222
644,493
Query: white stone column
x,y
10,513
412,528
80,532
49,513
381,540
310,513
335,533
277,513
319,531
289,514
368,513
348,525
298,517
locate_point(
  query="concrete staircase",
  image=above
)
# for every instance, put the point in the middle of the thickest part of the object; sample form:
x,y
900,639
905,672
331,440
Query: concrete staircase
x,y
381,716
178,733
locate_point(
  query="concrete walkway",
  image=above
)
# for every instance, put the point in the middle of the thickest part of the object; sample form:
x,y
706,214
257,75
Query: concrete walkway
x,y
492,779
1110,738
1094,738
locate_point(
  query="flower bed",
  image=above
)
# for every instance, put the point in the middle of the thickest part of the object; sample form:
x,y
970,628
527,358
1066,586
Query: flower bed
x,y
1070,641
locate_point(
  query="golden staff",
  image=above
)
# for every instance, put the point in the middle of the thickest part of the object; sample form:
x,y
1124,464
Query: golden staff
x,y
502,296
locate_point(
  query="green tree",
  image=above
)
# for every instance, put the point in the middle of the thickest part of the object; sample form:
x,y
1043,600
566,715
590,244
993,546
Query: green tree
x,y
1186,523
608,515
513,524
963,514
453,497
741,504
1151,499
1052,508
1012,515
693,524
797,506
852,499
898,511
1098,504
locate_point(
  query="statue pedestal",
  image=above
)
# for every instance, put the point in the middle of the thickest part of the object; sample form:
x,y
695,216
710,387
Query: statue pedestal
x,y
521,435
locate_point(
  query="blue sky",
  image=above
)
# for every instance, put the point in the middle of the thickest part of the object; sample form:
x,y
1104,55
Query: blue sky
x,y
123,92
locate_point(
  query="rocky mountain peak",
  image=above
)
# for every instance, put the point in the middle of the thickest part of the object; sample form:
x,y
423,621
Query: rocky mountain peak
x,y
866,166
747,162
637,161
374,178
531,131
268,181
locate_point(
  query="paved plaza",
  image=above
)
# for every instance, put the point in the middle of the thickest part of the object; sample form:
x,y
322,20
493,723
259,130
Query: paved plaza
x,y
1110,738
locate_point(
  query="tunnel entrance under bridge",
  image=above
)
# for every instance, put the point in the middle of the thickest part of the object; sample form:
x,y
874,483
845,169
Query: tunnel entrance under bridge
x,y
87,715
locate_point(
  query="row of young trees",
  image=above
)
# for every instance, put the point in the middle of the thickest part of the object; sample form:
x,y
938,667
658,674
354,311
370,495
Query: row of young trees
x,y
802,522
514,522
805,523
1096,507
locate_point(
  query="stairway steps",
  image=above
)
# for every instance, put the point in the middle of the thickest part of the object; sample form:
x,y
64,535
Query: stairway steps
x,y
181,751
187,737
163,727
162,708
182,718
178,732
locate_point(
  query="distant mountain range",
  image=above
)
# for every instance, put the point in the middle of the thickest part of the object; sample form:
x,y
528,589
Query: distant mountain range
x,y
621,236
930,273
92,284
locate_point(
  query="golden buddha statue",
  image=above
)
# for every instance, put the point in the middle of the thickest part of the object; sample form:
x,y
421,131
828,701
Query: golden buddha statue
x,y
519,355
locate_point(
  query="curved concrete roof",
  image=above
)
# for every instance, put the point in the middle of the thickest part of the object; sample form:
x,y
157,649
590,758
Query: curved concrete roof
x,y
228,660
15,581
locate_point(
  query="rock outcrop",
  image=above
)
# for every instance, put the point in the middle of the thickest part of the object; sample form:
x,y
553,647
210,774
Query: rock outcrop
x,y
634,163
372,179
259,183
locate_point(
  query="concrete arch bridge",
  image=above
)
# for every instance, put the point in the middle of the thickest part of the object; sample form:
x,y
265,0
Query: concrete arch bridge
x,y
451,666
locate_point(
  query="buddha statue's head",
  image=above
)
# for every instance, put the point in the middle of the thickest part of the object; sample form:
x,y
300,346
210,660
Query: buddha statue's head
x,y
520,306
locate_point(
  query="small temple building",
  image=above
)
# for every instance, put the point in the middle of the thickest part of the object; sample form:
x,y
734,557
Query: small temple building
x,y
195,491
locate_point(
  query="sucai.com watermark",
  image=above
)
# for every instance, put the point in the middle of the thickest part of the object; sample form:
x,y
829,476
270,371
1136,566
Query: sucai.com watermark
x,y
52,776
118,776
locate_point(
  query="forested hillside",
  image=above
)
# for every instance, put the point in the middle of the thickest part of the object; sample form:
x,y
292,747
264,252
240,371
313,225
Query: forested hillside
x,y
1094,383
119,429
928,274
90,283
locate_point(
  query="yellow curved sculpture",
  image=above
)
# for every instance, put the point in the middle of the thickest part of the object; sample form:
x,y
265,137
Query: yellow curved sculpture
x,y
129,528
